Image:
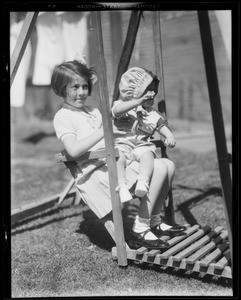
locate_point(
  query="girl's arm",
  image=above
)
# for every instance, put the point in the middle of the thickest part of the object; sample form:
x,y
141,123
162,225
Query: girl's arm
x,y
170,140
77,148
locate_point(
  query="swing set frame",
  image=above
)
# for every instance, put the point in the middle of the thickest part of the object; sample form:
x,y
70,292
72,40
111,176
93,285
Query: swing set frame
x,y
122,252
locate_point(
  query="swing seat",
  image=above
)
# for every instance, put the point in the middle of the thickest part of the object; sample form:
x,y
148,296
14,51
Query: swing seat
x,y
71,163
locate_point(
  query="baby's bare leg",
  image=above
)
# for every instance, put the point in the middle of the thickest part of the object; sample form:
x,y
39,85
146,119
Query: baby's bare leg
x,y
124,193
146,166
121,165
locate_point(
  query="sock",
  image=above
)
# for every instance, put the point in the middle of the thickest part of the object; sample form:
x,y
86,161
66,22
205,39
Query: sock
x,y
142,186
122,181
142,177
124,193
156,219
141,225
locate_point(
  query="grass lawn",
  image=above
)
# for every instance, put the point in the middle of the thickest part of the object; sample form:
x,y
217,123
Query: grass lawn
x,y
67,251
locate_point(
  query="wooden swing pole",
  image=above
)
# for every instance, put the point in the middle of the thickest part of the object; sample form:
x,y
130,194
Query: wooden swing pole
x,y
21,44
169,209
109,141
217,116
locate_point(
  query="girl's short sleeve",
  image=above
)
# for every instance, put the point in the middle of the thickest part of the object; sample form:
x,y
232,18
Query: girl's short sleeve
x,y
63,125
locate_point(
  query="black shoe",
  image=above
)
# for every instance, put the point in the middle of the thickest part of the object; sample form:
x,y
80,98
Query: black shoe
x,y
175,230
137,240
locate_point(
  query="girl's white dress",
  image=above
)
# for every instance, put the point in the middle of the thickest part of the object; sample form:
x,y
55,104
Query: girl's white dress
x,y
91,177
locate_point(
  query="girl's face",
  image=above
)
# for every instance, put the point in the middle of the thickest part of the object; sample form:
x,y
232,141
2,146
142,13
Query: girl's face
x,y
77,92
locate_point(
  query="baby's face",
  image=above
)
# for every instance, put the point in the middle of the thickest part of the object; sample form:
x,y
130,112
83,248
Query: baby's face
x,y
150,92
150,101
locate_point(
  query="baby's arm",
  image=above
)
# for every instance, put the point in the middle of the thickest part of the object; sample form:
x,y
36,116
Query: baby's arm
x,y
170,140
125,106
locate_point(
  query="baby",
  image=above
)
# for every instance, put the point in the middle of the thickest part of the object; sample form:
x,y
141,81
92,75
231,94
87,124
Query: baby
x,y
134,113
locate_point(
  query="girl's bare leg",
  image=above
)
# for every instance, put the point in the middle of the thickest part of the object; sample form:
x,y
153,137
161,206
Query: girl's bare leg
x,y
158,204
160,184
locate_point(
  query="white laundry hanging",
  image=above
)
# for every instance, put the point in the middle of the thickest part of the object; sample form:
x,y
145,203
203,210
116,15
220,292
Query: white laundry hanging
x,y
74,33
224,21
60,35
50,47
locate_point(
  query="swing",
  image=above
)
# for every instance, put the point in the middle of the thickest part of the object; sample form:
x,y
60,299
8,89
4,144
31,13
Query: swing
x,y
202,250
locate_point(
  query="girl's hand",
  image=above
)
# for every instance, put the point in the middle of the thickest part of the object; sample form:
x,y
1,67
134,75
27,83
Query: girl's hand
x,y
118,132
170,142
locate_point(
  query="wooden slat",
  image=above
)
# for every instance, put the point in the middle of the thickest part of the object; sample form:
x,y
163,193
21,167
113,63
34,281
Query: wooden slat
x,y
177,239
203,251
224,261
141,250
217,268
153,252
77,198
66,191
200,243
63,156
214,255
227,272
205,266
21,44
36,207
178,247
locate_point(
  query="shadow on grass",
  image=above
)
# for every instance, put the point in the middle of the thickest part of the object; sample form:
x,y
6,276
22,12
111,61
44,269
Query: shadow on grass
x,y
37,137
184,274
184,207
92,227
30,224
